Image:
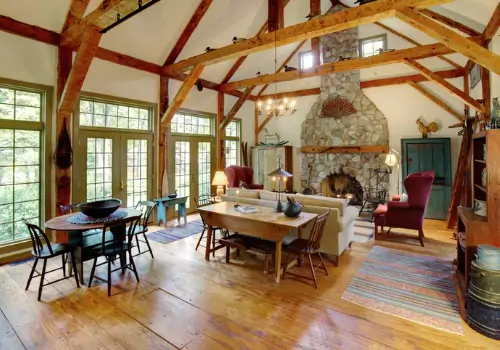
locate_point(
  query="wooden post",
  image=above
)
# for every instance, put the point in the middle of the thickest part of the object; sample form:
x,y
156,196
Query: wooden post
x,y
256,125
276,16
315,42
219,146
162,139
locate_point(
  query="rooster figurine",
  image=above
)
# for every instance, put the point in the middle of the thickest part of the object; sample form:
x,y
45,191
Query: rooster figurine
x,y
432,127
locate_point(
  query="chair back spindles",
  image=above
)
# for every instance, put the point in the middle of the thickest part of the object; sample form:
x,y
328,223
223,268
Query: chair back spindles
x,y
317,232
37,235
147,208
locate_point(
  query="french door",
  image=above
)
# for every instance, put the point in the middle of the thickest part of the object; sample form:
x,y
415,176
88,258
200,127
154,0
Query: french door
x,y
116,165
190,172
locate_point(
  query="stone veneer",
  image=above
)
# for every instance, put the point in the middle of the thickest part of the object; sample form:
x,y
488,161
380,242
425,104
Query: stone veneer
x,y
368,126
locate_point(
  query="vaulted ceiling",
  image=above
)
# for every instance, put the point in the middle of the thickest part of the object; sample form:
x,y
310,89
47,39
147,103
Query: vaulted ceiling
x,y
152,34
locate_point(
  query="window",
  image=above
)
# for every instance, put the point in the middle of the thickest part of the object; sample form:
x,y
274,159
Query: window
x,y
373,45
21,150
111,115
99,168
232,143
185,123
306,60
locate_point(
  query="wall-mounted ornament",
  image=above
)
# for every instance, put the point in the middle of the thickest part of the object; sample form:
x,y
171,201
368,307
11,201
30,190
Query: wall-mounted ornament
x,y
474,76
337,108
432,127
63,156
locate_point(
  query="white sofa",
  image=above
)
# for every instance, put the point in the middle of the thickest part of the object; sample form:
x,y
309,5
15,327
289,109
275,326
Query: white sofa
x,y
339,228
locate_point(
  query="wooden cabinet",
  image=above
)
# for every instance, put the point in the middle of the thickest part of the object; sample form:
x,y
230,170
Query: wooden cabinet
x,y
480,229
265,160
419,155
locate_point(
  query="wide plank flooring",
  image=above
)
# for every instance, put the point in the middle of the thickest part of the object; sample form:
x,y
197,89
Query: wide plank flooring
x,y
184,302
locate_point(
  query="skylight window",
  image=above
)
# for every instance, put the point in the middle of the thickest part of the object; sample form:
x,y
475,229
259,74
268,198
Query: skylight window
x,y
373,45
306,60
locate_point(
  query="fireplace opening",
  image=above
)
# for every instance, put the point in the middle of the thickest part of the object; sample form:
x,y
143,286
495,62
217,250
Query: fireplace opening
x,y
342,186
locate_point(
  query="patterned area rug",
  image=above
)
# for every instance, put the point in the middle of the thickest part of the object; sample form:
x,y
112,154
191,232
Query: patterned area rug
x,y
415,287
172,234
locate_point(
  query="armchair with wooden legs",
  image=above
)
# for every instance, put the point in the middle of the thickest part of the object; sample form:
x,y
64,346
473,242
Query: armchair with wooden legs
x,y
308,247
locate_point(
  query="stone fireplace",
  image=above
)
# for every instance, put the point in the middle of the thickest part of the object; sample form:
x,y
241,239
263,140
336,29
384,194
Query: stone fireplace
x,y
342,186
358,122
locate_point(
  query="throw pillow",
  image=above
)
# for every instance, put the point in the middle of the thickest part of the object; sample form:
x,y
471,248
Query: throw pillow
x,y
243,184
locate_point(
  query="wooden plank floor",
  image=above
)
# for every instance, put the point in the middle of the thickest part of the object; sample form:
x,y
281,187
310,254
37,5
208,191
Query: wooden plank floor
x,y
183,302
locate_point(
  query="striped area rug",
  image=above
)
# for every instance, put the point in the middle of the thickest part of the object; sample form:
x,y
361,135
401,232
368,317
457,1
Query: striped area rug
x,y
415,287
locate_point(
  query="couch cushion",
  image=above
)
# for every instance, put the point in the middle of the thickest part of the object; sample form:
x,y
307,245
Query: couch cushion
x,y
320,201
268,196
243,193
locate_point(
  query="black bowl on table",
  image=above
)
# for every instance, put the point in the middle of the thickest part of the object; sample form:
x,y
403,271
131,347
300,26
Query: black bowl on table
x,y
173,195
100,209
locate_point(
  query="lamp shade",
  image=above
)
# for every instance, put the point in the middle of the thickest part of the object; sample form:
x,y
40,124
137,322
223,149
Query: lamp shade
x,y
220,179
391,160
279,173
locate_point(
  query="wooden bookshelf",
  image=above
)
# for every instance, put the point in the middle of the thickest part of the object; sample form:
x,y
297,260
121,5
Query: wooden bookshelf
x,y
480,229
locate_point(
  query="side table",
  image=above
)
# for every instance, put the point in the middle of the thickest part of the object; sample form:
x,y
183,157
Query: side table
x,y
164,203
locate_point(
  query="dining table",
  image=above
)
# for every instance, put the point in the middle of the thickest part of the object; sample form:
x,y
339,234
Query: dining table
x,y
76,233
266,224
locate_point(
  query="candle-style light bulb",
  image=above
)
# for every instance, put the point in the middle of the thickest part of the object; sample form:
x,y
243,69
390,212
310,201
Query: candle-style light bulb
x,y
259,103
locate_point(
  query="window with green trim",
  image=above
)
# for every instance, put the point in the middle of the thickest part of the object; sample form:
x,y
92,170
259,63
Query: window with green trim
x,y
232,143
185,123
20,161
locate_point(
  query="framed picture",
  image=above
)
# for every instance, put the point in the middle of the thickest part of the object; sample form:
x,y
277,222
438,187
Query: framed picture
x,y
475,76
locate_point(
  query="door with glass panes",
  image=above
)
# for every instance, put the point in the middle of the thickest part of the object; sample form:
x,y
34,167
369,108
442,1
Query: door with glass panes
x,y
192,168
116,165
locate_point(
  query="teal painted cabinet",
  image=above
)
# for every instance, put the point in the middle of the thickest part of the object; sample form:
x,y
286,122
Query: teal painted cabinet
x,y
420,155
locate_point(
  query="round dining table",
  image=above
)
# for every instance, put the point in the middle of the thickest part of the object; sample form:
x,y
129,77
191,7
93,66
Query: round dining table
x,y
61,223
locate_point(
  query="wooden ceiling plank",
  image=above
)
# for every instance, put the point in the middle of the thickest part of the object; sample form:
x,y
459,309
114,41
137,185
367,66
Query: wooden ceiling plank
x,y
416,53
182,94
450,22
436,100
287,60
188,31
416,43
275,15
492,26
322,25
446,85
455,41
78,72
232,113
292,94
417,78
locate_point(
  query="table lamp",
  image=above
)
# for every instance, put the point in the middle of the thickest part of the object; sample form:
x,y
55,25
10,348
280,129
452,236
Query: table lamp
x,y
279,174
219,180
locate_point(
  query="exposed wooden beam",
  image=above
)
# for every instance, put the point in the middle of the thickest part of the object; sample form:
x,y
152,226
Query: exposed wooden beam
x,y
450,22
264,123
230,116
446,85
486,91
256,125
315,10
75,13
287,60
492,26
28,31
275,15
416,43
219,140
162,139
345,149
188,31
416,78
455,41
127,61
353,64
292,94
319,26
436,100
78,72
181,95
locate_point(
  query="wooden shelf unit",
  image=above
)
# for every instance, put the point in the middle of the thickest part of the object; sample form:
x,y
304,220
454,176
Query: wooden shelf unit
x,y
479,229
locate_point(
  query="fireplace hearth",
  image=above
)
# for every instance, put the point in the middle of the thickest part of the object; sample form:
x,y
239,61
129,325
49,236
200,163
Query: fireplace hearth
x,y
342,186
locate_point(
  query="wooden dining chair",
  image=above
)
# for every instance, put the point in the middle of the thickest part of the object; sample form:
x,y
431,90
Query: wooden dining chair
x,y
47,251
223,232
117,246
147,208
309,247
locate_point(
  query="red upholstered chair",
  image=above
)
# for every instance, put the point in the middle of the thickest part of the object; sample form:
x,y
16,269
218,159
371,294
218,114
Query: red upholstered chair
x,y
410,214
235,174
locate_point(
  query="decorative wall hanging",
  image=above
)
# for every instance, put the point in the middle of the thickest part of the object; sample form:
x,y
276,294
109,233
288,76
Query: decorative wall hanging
x,y
337,108
63,156
474,76
432,127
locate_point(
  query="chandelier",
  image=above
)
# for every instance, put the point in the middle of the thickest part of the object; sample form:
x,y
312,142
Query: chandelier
x,y
279,105
276,107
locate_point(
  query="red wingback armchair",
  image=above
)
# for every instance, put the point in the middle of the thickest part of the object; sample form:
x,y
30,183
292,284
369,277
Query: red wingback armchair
x,y
235,174
410,214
